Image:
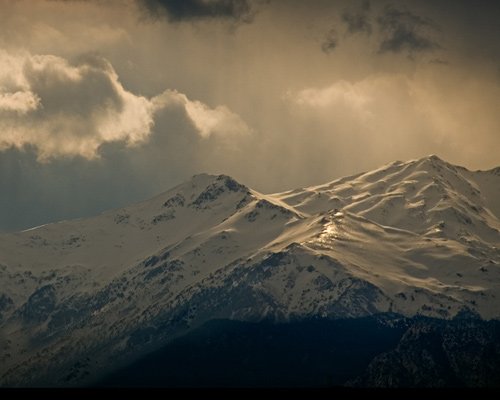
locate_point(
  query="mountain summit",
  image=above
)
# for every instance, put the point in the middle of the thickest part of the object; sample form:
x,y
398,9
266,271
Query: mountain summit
x,y
411,238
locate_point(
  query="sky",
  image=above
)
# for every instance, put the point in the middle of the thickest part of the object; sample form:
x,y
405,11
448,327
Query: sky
x,y
105,103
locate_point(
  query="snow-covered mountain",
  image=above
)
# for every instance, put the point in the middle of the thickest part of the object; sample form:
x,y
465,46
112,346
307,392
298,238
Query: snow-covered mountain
x,y
413,238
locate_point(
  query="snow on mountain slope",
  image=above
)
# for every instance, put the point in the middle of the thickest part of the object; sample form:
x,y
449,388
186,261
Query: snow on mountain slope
x,y
425,225
420,237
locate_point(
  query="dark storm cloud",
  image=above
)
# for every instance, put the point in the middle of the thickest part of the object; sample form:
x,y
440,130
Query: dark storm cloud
x,y
188,10
406,32
398,31
358,21
330,41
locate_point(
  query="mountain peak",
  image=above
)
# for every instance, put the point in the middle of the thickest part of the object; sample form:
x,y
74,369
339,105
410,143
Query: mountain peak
x,y
218,180
434,164
432,159
208,188
435,161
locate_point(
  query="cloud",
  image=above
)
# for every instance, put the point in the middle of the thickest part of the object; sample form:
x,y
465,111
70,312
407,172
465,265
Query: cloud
x,y
218,121
396,116
358,21
66,109
340,94
330,42
439,61
406,32
378,114
189,10
399,31
20,101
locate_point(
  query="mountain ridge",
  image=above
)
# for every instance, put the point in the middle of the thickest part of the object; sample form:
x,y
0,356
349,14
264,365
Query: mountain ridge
x,y
413,238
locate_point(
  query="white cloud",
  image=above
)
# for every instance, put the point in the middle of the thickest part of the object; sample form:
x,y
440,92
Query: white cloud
x,y
208,121
341,92
67,110
219,120
64,109
20,101
11,71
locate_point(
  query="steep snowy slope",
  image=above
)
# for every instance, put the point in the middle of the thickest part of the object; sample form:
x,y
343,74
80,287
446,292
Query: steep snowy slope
x,y
81,296
424,224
